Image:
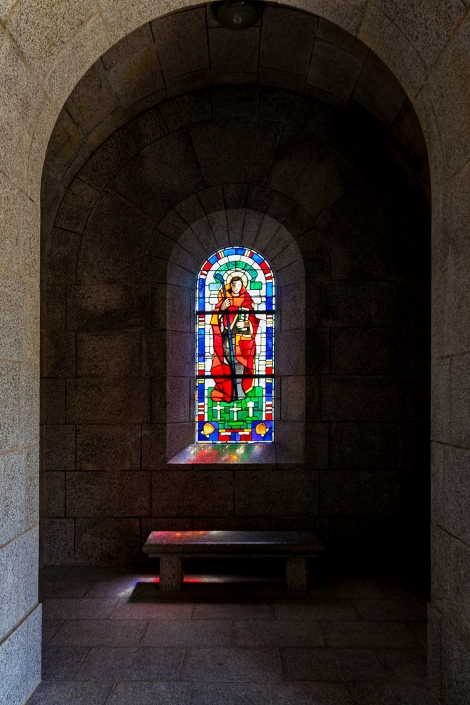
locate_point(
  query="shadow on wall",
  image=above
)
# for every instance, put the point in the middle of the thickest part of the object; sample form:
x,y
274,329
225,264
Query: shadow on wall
x,y
290,176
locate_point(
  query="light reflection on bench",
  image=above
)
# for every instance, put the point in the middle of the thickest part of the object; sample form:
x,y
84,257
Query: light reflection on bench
x,y
171,547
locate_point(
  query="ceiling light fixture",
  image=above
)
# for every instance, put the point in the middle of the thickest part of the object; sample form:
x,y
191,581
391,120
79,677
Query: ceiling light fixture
x,y
237,14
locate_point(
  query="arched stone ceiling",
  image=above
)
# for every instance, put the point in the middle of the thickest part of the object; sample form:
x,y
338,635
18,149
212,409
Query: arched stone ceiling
x,y
244,149
47,46
189,50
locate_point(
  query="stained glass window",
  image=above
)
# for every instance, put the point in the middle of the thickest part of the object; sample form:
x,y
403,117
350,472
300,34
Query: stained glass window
x,y
235,309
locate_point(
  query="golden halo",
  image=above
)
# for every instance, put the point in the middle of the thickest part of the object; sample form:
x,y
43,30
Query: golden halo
x,y
237,273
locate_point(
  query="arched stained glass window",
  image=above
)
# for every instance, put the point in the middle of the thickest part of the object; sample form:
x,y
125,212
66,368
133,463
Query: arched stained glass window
x,y
235,309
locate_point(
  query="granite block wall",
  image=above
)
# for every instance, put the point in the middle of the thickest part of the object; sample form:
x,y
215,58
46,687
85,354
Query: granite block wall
x,y
45,50
20,614
348,239
20,620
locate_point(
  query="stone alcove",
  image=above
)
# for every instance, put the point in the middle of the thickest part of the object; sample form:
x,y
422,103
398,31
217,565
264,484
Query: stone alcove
x,y
308,182
212,231
427,48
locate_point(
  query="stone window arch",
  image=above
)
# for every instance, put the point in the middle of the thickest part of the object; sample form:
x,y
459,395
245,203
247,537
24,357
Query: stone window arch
x,y
272,240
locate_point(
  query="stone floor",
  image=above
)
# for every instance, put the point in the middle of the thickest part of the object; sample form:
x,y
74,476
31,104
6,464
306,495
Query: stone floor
x,y
111,638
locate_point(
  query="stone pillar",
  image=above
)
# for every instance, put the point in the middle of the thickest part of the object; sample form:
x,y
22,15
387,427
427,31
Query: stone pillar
x,y
20,614
449,610
297,574
171,573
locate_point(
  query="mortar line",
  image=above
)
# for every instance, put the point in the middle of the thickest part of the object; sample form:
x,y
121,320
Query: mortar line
x,y
408,42
64,48
108,31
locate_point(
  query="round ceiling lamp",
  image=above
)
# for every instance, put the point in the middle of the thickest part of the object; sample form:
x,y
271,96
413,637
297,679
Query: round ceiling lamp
x,y
237,14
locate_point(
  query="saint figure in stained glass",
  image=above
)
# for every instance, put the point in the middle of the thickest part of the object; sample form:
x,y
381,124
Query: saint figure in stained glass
x,y
235,348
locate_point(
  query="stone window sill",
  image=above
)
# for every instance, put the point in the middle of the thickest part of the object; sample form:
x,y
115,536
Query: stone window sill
x,y
234,454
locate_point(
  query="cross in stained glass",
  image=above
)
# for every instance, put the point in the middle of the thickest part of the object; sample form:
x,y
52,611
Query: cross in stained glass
x,y
235,409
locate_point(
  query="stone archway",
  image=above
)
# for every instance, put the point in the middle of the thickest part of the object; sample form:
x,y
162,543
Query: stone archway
x,y
243,227
323,191
45,49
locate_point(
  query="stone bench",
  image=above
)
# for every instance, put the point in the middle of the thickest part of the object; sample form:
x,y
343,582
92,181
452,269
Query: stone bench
x,y
171,547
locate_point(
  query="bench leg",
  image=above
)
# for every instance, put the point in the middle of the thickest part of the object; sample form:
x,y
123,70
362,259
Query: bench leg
x,y
171,573
297,574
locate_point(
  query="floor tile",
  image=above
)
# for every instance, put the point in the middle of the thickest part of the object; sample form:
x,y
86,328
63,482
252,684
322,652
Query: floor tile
x,y
369,634
149,591
66,608
49,628
332,665
277,633
409,666
132,610
391,694
345,588
99,632
151,693
232,611
112,638
100,572
394,610
400,589
230,694
54,572
61,662
202,632
65,588
232,664
131,663
112,588
420,631
71,693
310,694
317,610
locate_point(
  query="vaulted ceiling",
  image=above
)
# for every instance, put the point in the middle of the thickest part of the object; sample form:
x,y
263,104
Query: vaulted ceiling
x,y
189,50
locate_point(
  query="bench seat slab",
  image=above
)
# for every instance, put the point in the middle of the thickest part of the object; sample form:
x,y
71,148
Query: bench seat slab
x,y
172,546
241,543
